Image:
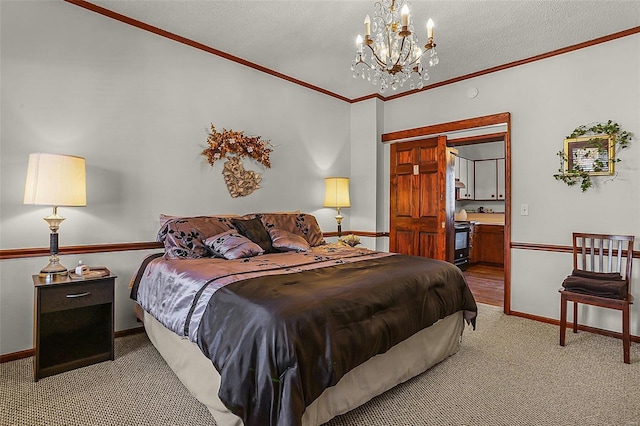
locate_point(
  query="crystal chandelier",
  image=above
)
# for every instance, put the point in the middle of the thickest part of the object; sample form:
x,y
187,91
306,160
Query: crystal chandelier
x,y
394,55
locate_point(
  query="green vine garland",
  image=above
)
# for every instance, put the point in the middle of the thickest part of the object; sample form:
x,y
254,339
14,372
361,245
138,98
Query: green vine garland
x,y
577,174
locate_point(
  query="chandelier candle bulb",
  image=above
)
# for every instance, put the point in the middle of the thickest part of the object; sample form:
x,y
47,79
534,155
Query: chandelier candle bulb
x,y
367,26
430,28
405,15
359,43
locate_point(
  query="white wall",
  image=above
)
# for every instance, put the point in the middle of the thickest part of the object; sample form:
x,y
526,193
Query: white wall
x,y
138,108
547,99
365,151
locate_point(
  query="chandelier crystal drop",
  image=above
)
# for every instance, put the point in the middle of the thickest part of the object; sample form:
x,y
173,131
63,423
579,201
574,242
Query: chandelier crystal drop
x,y
393,56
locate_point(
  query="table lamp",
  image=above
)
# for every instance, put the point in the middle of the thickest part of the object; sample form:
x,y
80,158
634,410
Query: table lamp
x,y
337,196
55,180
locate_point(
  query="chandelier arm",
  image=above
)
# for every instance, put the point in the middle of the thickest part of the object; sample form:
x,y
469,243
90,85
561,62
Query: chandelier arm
x,y
416,60
408,55
361,61
400,52
376,57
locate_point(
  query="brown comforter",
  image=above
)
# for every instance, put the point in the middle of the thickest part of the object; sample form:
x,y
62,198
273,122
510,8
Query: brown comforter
x,y
278,341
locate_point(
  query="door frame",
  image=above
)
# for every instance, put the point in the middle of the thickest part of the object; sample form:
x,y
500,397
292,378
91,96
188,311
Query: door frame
x,y
469,124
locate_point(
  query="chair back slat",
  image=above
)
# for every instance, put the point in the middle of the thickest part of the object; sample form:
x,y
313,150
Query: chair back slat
x,y
611,255
590,250
601,253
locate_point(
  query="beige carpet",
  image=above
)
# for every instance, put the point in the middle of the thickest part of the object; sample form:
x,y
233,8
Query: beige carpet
x,y
510,371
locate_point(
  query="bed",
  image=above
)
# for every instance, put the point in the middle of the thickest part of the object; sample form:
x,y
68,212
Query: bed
x,y
266,324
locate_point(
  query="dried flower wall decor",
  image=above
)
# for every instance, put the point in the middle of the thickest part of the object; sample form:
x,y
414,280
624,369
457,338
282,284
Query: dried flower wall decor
x,y
234,146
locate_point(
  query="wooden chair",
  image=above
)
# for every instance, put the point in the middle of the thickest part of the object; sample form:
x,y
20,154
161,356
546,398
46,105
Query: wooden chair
x,y
601,277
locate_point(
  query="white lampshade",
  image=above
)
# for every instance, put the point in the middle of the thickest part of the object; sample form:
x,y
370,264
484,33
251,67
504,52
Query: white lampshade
x,y
337,192
56,180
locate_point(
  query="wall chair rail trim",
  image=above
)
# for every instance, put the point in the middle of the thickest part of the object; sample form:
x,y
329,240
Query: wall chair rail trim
x,y
555,248
151,245
94,248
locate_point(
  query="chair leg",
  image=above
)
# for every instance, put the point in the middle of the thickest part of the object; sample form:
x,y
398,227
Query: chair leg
x,y
575,317
626,335
563,319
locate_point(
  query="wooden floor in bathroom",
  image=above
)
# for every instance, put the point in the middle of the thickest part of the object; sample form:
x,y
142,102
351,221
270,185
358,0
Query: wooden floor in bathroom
x,y
486,283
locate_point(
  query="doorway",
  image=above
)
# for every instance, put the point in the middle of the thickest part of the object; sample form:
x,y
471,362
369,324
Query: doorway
x,y
480,205
483,130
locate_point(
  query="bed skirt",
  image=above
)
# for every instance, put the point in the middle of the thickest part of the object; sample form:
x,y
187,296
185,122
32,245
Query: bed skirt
x,y
405,360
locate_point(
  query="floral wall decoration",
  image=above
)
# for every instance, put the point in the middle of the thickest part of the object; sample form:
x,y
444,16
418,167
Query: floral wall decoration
x,y
234,146
591,151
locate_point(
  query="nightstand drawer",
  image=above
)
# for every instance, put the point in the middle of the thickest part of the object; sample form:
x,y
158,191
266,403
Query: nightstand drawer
x,y
61,297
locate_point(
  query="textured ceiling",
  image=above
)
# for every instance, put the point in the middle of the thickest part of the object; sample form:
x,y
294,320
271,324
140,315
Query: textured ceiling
x,y
314,41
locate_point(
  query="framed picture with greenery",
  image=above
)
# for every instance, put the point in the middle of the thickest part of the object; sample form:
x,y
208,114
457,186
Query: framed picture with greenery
x,y
593,155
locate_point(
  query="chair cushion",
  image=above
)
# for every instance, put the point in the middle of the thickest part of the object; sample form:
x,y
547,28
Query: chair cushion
x,y
597,275
610,285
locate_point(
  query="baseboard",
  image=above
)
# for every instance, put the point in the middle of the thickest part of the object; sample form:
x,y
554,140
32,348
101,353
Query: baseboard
x,y
30,352
16,355
128,332
570,326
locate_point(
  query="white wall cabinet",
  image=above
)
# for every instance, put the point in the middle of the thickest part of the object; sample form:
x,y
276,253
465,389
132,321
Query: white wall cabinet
x,y
485,182
483,179
489,179
470,182
500,178
464,172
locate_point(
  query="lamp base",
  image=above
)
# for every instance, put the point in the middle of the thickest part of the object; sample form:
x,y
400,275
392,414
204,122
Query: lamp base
x,y
53,268
339,218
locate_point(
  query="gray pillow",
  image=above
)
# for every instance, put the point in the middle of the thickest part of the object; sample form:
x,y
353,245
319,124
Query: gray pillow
x,y
231,245
287,241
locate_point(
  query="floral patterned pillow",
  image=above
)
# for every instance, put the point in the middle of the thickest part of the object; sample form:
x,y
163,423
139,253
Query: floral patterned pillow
x,y
286,241
301,224
184,237
231,245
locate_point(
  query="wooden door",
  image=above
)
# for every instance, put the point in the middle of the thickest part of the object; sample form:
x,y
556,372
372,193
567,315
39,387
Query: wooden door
x,y
422,198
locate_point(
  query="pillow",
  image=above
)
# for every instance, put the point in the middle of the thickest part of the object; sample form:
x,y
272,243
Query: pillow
x,y
301,224
231,245
164,218
254,230
184,237
286,241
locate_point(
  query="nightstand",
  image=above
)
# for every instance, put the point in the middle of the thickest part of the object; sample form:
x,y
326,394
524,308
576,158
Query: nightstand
x,y
73,324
